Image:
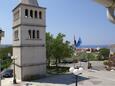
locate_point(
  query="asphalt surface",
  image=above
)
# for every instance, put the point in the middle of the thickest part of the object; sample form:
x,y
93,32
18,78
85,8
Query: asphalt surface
x,y
97,76
96,65
88,78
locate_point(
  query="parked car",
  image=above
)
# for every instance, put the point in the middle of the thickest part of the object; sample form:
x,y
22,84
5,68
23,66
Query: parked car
x,y
7,73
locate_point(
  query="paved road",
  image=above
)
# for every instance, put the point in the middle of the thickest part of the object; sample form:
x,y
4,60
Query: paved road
x,y
88,78
96,77
97,65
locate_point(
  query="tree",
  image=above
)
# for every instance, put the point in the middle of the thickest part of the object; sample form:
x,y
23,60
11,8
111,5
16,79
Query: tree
x,y
56,48
82,56
91,57
49,47
6,61
67,49
103,54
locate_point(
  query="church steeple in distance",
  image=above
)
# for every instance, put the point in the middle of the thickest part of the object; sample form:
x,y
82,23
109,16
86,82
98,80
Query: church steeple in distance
x,y
30,2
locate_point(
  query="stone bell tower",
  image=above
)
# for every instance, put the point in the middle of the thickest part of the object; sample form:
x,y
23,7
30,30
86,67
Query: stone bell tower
x,y
29,51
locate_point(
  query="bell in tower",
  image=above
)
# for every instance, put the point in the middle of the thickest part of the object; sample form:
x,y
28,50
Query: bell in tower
x,y
29,51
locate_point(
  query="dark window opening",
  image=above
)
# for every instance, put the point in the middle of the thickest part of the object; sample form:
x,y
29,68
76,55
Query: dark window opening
x,y
29,32
36,14
40,15
26,13
37,34
16,35
31,13
33,34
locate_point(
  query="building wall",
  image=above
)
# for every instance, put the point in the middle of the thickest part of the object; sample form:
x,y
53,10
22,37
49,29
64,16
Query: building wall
x,y
17,57
33,71
17,42
30,53
25,37
21,19
29,20
33,55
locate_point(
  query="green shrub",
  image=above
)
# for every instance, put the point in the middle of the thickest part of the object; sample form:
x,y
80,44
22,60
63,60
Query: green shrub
x,y
55,70
105,62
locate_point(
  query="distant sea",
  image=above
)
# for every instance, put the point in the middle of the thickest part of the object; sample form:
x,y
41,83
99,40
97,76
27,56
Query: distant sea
x,y
82,46
94,46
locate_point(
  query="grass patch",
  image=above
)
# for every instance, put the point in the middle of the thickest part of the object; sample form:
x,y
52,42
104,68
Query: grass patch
x,y
57,70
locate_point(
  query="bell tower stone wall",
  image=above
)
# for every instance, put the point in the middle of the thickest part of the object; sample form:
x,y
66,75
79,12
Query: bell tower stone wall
x,y
29,49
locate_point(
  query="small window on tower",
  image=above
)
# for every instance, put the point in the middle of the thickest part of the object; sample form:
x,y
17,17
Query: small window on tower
x,y
40,15
26,12
38,34
16,15
29,33
16,35
31,13
36,14
33,34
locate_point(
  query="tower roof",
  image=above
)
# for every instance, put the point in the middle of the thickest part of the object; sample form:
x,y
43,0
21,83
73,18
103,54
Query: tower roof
x,y
30,2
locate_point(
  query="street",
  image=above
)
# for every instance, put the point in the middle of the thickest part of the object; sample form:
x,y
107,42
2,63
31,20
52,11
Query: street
x,y
98,76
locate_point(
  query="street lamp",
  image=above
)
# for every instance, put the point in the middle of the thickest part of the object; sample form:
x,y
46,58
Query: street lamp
x,y
9,55
14,75
89,64
110,5
76,72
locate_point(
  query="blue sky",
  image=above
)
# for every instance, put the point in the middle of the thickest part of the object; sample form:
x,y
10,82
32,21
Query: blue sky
x,y
84,18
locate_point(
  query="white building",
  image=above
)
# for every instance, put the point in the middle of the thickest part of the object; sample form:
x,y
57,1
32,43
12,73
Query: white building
x,y
29,27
